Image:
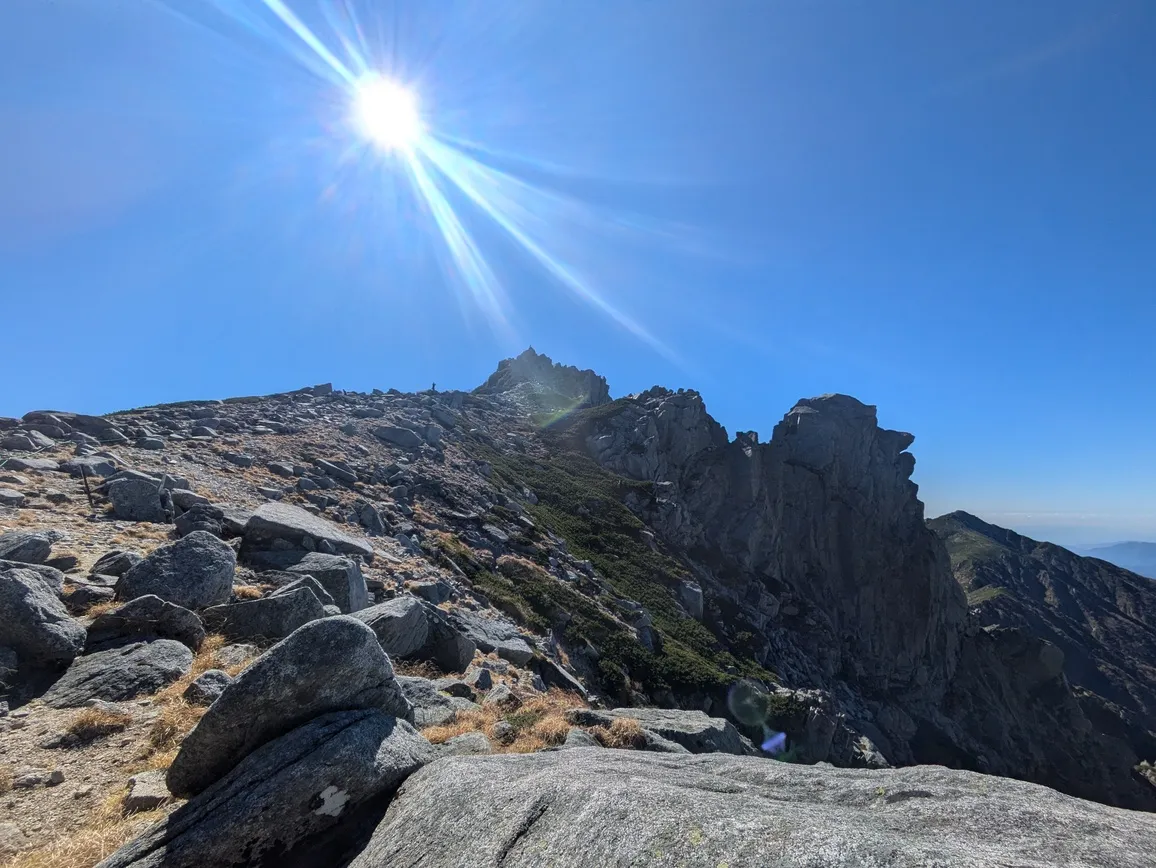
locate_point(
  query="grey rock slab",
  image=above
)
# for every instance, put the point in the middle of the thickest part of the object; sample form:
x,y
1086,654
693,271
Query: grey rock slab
x,y
494,634
115,563
29,547
34,622
50,577
120,673
466,744
137,500
146,792
333,664
296,582
432,591
430,707
147,616
403,437
41,465
400,624
340,576
694,730
8,497
304,784
194,572
86,596
272,617
186,499
578,737
284,521
336,470
207,686
91,465
592,808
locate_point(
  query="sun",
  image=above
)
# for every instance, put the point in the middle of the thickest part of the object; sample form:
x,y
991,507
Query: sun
x,y
387,113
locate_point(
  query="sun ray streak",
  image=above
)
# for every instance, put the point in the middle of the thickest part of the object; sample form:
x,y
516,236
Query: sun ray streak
x,y
342,21
494,192
290,20
468,259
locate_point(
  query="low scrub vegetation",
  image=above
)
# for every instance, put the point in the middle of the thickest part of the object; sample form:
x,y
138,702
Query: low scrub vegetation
x,y
584,504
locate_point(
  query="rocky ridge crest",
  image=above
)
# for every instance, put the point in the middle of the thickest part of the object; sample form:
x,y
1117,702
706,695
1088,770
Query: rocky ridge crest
x,y
530,540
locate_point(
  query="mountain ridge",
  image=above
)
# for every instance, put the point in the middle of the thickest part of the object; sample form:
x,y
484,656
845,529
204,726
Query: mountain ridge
x,y
535,535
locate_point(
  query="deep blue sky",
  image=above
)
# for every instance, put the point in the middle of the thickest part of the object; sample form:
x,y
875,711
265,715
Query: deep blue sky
x,y
945,209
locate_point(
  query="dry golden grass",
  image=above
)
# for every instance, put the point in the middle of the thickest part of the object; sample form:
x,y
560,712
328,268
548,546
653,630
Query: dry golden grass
x,y
539,722
142,530
463,722
93,723
102,608
176,718
105,831
624,732
417,669
7,778
552,729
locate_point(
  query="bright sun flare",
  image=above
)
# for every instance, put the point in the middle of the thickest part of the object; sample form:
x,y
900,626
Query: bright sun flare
x,y
387,113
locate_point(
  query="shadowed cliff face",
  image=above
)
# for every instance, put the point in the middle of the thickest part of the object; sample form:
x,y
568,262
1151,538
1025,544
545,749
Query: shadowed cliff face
x,y
818,537
825,511
1099,618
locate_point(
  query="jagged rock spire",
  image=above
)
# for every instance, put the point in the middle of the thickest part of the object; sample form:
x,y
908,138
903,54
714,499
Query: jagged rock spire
x,y
583,386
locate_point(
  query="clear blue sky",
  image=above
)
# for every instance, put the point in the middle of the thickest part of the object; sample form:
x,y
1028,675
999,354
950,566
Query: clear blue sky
x,y
946,209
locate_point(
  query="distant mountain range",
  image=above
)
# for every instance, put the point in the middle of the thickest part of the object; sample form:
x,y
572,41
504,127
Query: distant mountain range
x,y
1102,617
1139,557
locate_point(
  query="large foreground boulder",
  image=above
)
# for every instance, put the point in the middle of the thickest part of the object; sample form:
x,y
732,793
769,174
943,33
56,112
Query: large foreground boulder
x,y
33,621
588,808
194,572
121,673
282,521
334,664
307,782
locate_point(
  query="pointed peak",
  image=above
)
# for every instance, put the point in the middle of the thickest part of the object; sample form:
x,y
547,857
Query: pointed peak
x,y
585,387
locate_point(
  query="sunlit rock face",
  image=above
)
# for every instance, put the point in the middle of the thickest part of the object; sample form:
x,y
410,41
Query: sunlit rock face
x,y
580,388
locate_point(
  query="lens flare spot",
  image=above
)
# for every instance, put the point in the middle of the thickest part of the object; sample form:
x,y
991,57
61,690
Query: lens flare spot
x,y
387,113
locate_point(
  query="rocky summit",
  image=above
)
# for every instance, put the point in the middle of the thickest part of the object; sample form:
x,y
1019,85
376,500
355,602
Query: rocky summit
x,y
534,625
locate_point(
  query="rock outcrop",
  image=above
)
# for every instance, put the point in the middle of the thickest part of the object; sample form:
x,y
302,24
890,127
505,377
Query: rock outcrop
x,y
334,664
120,673
287,791
572,386
588,807
33,621
194,572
